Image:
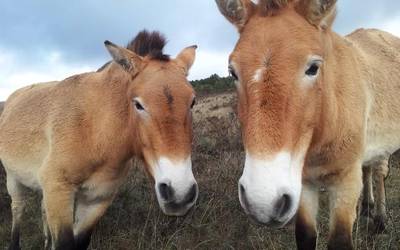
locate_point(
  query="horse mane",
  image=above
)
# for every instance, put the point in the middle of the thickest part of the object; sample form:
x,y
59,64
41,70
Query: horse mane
x,y
149,44
269,7
146,43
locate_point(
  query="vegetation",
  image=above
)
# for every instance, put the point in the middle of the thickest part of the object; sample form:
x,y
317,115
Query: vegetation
x,y
134,221
213,84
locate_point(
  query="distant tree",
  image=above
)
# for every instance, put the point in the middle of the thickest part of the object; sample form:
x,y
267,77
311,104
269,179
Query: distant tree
x,y
213,84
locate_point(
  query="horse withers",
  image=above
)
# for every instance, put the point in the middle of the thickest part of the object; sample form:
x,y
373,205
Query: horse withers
x,y
314,107
73,139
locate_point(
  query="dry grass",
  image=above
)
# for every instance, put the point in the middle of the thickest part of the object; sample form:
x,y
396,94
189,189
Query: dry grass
x,y
134,221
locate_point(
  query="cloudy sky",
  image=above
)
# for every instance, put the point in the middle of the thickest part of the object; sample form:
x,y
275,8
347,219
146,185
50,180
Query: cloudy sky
x,y
50,40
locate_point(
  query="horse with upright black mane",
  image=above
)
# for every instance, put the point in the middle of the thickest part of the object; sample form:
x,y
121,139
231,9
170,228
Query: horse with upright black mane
x,y
73,140
314,107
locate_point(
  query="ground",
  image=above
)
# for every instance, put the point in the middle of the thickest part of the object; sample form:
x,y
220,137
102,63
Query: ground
x,y
134,221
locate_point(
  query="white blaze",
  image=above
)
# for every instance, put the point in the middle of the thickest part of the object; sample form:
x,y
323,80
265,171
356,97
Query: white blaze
x,y
258,75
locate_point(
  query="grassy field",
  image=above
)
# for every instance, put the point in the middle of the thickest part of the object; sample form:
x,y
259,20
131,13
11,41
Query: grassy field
x,y
217,221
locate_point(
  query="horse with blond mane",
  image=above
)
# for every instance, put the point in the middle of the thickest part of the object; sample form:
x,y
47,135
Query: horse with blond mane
x,y
73,140
314,108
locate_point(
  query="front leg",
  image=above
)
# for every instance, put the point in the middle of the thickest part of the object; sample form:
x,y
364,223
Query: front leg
x,y
343,199
87,214
306,226
58,200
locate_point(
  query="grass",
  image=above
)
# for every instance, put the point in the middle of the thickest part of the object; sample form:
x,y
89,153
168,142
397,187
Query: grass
x,y
217,221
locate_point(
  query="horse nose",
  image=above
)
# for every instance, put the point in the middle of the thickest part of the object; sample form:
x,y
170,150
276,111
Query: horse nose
x,y
282,206
191,196
166,191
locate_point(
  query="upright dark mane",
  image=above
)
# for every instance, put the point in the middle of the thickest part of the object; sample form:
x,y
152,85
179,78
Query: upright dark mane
x,y
146,43
149,44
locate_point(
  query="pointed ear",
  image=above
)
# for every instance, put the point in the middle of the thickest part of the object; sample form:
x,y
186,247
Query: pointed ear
x,y
238,12
186,57
127,59
321,13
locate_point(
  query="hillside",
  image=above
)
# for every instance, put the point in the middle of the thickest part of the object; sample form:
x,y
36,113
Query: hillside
x,y
213,85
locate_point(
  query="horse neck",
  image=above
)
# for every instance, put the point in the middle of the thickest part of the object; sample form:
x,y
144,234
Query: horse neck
x,y
338,92
112,113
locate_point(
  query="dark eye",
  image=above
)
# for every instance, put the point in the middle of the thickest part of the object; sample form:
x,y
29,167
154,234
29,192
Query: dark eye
x,y
193,103
138,106
312,70
233,73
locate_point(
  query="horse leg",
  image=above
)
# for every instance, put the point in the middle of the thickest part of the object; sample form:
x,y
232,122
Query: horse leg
x,y
343,199
306,226
87,214
58,199
46,230
18,201
381,171
367,204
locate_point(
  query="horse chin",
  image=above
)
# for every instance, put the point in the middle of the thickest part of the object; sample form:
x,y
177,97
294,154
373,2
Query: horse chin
x,y
271,223
175,209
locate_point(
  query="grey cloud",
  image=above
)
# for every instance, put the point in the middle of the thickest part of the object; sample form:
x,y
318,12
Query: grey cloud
x,y
353,14
77,28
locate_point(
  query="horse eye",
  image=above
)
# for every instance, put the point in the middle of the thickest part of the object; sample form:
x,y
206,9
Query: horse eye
x,y
138,106
233,73
193,103
312,70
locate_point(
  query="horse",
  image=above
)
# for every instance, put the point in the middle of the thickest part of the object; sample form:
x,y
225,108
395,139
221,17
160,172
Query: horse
x,y
314,107
73,140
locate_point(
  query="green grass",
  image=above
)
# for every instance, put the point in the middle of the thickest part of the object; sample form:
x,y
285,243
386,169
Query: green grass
x,y
134,221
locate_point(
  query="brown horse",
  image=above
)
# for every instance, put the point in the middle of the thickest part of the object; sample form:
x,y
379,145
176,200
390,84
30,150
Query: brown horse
x,y
314,106
73,139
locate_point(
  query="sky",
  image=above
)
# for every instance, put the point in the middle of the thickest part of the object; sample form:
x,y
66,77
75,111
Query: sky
x,y
50,40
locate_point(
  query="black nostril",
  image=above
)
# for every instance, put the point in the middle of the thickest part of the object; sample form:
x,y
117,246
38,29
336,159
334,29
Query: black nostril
x,y
191,195
283,205
242,190
166,191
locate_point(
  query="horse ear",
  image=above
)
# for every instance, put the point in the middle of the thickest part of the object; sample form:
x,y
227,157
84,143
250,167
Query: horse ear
x,y
127,59
186,57
321,13
238,12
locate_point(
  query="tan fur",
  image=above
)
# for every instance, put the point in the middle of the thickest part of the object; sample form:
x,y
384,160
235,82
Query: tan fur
x,y
74,139
350,115
237,12
315,11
